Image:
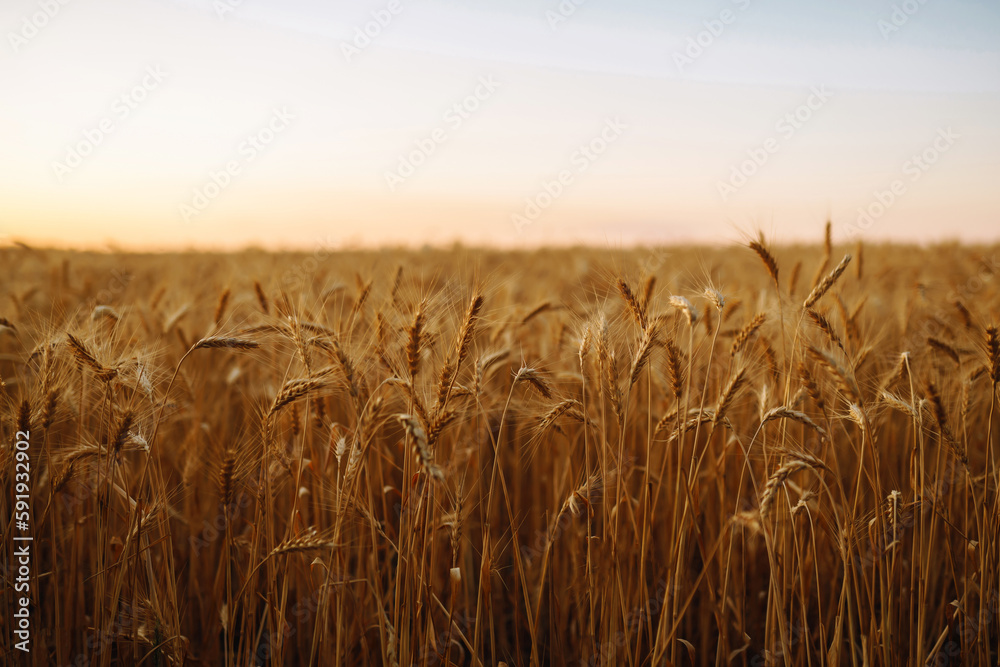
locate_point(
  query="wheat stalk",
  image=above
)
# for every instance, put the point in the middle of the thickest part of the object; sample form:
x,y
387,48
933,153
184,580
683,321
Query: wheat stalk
x,y
767,258
635,308
823,287
746,332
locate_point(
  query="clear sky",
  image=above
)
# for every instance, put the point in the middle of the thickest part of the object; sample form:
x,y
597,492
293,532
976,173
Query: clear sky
x,y
170,123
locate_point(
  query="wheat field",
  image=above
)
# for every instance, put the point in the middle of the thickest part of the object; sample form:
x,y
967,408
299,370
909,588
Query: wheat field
x,y
746,455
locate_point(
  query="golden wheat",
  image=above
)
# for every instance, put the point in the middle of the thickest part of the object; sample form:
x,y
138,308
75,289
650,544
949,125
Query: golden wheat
x,y
321,462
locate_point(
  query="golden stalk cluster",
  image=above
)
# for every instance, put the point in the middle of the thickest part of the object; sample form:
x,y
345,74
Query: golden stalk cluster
x,y
386,459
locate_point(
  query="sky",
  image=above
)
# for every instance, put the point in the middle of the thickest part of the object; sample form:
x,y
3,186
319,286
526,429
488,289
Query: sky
x,y
163,124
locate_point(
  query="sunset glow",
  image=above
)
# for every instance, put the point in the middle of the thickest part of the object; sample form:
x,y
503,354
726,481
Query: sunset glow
x,y
220,123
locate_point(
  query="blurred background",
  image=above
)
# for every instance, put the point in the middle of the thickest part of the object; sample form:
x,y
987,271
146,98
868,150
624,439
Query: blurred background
x,y
166,124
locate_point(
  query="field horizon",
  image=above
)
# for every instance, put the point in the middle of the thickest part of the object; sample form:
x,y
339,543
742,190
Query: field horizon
x,y
481,248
